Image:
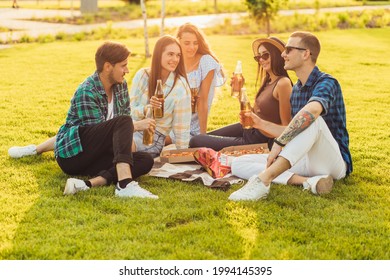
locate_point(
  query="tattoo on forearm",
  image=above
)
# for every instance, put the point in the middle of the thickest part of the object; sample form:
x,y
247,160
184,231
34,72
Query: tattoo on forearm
x,y
298,124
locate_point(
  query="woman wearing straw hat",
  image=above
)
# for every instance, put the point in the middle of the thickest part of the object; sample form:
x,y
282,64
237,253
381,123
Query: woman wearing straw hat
x,y
271,104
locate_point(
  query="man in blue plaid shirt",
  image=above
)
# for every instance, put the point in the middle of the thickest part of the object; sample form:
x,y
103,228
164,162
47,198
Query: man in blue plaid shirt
x,y
96,139
313,149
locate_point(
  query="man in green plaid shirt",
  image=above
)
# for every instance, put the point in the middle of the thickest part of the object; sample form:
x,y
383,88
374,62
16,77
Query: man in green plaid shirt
x,y
97,137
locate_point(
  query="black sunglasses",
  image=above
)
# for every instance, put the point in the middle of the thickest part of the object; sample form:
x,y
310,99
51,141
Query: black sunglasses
x,y
264,56
289,49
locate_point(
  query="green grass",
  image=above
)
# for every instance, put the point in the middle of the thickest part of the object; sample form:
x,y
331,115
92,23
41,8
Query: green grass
x,y
190,221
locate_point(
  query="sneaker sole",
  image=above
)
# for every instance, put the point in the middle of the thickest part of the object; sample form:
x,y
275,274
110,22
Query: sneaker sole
x,y
264,196
136,196
325,185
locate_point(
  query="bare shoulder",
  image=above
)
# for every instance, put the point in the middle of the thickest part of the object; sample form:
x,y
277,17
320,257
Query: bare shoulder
x,y
283,89
284,83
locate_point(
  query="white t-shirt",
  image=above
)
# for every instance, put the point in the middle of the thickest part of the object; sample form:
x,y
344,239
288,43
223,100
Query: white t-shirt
x,y
110,111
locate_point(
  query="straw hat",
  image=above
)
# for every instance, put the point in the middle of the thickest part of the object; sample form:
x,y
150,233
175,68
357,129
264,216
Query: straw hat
x,y
272,40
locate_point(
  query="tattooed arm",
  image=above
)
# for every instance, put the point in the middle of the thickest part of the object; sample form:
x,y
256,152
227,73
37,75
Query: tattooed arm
x,y
302,120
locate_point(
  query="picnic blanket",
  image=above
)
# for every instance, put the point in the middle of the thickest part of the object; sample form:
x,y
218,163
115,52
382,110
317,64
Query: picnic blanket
x,y
193,172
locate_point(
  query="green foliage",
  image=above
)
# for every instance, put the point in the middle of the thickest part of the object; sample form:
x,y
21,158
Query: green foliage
x,y
4,29
318,22
264,10
190,221
45,38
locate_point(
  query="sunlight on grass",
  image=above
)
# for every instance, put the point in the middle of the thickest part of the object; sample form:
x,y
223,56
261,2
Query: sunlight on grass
x,y
190,221
244,223
16,199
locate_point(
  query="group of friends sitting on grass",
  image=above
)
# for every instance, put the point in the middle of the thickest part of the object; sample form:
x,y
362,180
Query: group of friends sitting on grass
x,y
303,124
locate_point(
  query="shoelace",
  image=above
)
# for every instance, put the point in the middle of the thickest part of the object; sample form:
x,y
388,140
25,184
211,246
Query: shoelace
x,y
251,184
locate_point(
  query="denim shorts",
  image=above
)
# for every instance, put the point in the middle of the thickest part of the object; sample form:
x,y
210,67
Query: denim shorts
x,y
155,149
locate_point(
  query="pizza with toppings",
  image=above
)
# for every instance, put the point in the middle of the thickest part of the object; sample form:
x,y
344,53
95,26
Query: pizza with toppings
x,y
236,153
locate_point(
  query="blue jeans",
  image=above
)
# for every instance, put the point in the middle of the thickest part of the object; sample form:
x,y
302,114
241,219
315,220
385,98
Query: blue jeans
x,y
155,149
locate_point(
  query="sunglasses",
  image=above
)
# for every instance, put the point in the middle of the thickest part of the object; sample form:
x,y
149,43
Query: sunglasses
x,y
289,49
264,56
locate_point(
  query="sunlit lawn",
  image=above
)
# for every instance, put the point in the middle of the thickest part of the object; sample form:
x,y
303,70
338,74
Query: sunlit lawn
x,y
190,221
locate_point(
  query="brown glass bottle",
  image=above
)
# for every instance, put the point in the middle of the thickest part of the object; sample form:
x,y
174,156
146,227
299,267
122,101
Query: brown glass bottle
x,y
194,99
245,106
238,80
159,112
148,133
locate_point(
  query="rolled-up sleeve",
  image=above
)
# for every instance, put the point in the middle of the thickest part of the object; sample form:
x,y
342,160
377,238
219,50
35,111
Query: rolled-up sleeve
x,y
182,117
139,95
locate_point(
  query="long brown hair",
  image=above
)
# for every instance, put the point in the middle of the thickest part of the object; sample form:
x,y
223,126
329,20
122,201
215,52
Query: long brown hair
x,y
277,67
156,68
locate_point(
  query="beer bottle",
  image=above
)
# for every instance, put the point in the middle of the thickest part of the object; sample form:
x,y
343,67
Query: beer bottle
x,y
194,94
238,80
148,133
245,106
159,112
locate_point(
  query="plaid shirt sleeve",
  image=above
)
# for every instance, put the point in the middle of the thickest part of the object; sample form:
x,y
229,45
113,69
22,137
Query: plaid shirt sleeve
x,y
182,115
86,109
325,93
139,95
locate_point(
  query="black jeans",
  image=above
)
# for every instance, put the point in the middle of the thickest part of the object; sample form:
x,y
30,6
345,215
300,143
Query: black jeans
x,y
231,135
105,145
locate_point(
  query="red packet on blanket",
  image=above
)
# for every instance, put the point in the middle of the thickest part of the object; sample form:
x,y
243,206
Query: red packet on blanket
x,y
215,163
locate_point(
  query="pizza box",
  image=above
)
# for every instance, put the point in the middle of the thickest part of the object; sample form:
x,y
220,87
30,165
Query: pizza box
x,y
246,149
186,155
178,156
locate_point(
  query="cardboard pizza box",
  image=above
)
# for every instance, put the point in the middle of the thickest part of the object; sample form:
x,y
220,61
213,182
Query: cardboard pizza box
x,y
246,149
178,156
186,155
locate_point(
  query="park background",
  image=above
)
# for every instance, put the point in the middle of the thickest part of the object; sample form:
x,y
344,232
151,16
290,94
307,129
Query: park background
x,y
38,77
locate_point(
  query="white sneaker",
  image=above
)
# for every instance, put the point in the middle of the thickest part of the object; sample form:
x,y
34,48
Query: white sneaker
x,y
322,184
18,152
254,189
75,185
133,190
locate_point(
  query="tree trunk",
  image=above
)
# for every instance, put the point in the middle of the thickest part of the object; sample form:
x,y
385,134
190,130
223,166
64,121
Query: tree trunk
x,y
162,17
268,26
215,6
144,16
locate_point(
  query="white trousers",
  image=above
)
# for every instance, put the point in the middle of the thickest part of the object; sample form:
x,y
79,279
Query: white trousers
x,y
312,152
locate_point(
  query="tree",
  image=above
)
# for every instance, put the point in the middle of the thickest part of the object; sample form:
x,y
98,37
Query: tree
x,y
162,17
265,10
143,9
